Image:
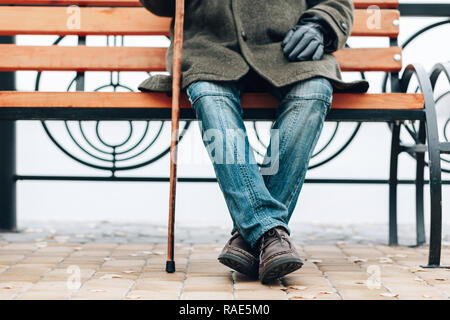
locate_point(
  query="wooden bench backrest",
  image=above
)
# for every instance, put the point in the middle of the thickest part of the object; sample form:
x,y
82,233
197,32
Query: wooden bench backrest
x,y
127,17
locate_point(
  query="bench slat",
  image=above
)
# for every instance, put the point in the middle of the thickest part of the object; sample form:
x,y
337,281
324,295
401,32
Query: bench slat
x,y
135,21
40,58
357,3
390,101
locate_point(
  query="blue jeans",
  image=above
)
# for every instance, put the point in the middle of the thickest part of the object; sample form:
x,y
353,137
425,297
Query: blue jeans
x,y
259,201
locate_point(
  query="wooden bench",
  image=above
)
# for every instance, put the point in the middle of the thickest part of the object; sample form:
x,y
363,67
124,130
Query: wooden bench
x,y
127,17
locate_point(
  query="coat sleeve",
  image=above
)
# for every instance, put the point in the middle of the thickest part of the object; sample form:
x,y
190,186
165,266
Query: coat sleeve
x,y
338,14
163,8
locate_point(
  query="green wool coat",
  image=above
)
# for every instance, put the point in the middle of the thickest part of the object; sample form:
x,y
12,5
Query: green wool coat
x,y
225,39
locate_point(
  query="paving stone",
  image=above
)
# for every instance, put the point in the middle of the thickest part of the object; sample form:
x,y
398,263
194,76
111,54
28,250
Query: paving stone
x,y
9,289
136,271
152,295
260,295
158,285
206,295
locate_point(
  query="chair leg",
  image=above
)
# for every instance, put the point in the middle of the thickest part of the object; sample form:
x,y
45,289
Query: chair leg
x,y
420,167
434,258
393,182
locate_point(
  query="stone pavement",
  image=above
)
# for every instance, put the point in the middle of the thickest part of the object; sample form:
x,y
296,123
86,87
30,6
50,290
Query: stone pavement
x,y
118,232
52,269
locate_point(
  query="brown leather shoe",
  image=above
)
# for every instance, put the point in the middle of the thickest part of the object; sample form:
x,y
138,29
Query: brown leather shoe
x,y
238,255
278,255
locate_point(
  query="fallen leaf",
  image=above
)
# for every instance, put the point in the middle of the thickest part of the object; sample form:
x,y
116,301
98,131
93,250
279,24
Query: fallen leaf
x,y
416,269
111,276
388,294
315,260
385,260
297,287
7,287
305,296
325,292
441,279
356,259
360,282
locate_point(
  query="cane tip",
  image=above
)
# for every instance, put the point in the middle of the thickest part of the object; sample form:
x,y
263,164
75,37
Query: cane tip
x,y
170,266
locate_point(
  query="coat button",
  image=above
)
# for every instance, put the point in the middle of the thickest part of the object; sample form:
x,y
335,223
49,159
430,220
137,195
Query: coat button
x,y
244,36
344,26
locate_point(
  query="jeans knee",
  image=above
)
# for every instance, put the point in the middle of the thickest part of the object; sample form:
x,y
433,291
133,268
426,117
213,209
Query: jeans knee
x,y
209,99
317,88
202,89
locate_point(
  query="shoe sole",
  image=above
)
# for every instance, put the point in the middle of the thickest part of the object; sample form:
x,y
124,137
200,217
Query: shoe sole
x,y
238,264
280,268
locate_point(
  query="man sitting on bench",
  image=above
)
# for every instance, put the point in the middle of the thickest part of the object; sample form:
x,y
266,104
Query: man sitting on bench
x,y
280,47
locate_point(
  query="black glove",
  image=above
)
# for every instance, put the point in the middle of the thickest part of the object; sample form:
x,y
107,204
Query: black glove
x,y
305,41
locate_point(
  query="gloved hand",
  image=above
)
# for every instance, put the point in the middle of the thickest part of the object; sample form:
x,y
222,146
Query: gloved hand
x,y
304,42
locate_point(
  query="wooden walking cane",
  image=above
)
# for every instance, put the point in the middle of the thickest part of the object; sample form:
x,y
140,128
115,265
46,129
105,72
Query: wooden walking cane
x,y
176,83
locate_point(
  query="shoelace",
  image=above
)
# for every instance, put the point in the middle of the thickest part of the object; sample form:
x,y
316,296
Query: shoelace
x,y
271,234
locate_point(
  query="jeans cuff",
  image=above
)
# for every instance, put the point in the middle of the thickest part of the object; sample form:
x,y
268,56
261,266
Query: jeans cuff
x,y
267,224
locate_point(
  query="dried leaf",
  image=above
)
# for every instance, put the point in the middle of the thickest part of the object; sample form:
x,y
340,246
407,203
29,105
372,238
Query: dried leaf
x,y
388,294
41,244
385,260
360,282
111,276
315,260
305,296
297,288
7,287
356,259
416,269
325,292
441,279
